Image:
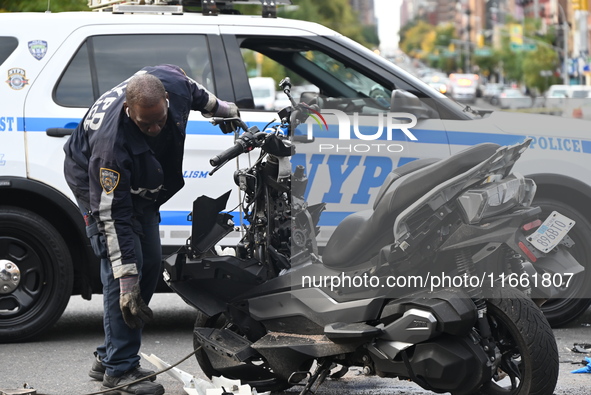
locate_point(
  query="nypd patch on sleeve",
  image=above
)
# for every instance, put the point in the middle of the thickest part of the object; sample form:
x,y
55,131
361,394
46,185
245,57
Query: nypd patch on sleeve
x,y
109,179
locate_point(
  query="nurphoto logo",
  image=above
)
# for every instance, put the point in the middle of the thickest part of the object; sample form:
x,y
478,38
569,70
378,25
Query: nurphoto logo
x,y
316,116
387,123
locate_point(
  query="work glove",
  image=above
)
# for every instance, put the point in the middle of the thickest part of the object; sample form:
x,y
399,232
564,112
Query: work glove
x,y
135,311
228,110
224,109
233,110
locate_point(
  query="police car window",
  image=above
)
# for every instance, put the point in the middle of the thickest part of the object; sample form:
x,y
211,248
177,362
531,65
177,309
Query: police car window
x,y
317,76
7,46
349,76
104,61
264,76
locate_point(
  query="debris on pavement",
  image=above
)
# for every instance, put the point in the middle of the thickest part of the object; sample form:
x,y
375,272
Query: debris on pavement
x,y
196,386
581,348
24,391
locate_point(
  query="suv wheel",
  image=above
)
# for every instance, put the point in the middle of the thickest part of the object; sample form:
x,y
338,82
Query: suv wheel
x,y
36,274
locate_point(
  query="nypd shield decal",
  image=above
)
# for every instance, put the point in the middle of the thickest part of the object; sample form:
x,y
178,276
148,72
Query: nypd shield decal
x,y
38,48
109,179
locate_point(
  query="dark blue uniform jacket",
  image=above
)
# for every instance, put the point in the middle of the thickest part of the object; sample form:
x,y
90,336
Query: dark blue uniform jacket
x,y
115,171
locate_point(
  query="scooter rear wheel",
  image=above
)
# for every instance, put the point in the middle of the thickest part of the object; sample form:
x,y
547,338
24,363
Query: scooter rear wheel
x,y
255,373
527,344
573,300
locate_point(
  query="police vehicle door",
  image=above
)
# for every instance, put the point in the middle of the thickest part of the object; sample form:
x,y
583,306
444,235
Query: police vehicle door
x,y
358,137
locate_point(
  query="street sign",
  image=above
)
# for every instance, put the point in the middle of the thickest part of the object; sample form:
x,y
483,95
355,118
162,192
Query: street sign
x,y
529,46
523,47
448,54
482,52
516,34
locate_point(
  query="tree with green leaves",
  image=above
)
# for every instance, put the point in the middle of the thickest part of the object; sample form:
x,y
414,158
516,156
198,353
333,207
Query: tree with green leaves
x,y
419,40
536,63
525,66
335,14
43,5
429,43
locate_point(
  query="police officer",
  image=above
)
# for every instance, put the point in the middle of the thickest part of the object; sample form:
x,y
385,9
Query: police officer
x,y
122,162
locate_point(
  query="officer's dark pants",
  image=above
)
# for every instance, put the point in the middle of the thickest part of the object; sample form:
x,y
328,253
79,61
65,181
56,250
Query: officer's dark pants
x,y
119,353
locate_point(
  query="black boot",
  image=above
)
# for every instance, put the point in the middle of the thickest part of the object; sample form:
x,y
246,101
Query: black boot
x,y
97,371
144,387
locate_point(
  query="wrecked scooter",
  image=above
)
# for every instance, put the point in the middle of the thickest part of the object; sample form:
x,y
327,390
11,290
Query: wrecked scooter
x,y
436,283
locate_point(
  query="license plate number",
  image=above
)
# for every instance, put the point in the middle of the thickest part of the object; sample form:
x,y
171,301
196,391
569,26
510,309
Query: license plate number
x,y
551,232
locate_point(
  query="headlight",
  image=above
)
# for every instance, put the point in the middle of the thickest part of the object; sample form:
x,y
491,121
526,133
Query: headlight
x,y
494,198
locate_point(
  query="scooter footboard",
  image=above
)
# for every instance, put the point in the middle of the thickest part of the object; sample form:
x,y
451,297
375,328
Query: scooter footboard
x,y
208,284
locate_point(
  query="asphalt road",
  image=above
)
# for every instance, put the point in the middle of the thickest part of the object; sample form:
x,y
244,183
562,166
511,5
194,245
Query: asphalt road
x,y
57,363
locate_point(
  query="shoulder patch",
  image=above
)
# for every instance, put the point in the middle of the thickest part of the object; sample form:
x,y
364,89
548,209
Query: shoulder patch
x,y
109,179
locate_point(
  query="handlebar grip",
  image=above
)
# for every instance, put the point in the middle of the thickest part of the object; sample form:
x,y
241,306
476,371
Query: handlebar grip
x,y
228,154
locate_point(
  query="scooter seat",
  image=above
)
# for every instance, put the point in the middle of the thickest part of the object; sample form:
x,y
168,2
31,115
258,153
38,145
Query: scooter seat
x,y
361,235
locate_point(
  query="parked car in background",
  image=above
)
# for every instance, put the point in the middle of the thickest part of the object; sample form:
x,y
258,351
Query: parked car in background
x,y
464,87
263,92
557,91
491,92
513,98
567,100
440,82
579,92
578,102
555,98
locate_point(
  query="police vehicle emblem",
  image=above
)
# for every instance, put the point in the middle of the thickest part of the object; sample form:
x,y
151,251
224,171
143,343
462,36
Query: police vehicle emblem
x,y
17,79
109,179
38,48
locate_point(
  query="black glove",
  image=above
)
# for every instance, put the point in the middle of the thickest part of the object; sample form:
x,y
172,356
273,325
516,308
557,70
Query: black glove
x,y
135,311
228,127
228,110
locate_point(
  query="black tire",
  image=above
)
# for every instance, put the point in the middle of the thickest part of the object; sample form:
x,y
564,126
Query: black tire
x,y
42,257
268,382
574,301
527,345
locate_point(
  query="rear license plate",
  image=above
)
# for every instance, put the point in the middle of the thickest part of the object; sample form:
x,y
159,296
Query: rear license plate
x,y
551,232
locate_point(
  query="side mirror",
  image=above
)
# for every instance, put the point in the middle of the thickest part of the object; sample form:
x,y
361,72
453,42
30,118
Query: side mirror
x,y
403,101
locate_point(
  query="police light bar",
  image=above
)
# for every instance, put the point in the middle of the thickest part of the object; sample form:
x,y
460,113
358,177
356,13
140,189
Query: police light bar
x,y
208,7
109,3
136,7
213,7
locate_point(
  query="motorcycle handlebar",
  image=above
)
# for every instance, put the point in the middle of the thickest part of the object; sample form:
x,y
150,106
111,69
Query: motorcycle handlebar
x,y
245,143
236,121
228,154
